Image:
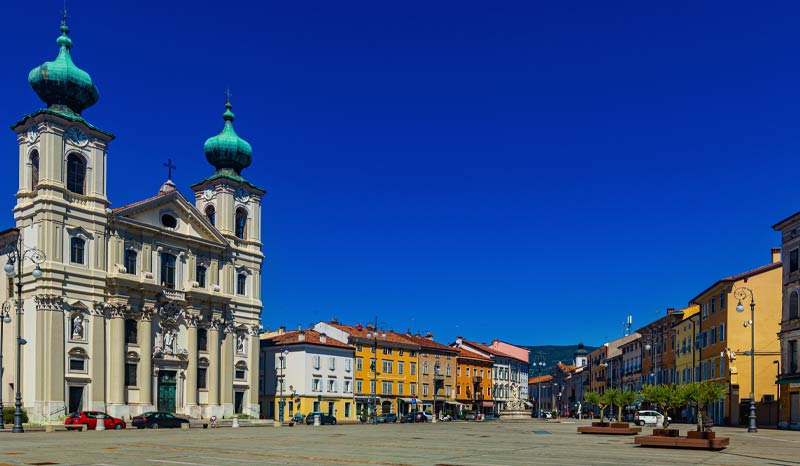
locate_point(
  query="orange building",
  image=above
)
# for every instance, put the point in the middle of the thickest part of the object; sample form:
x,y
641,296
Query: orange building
x,y
474,381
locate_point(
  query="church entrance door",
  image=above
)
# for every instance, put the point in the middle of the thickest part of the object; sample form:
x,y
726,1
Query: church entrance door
x,y
166,391
238,402
75,401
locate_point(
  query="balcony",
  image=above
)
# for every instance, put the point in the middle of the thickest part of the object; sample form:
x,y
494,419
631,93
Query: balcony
x,y
477,380
438,377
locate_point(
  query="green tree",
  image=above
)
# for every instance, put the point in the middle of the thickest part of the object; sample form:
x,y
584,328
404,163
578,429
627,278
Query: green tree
x,y
594,399
706,394
612,396
665,396
625,398
688,396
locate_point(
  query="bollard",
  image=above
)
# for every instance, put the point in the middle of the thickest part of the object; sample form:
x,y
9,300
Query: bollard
x,y
101,424
316,420
235,421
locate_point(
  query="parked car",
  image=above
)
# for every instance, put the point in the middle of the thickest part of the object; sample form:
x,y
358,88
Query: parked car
x,y
414,416
324,418
390,417
299,417
428,415
157,420
472,416
649,417
546,414
89,418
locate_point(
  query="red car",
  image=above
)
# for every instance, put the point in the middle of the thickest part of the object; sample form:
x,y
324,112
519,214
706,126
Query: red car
x,y
89,418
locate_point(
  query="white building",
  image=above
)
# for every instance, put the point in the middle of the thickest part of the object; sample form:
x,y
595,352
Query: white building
x,y
154,305
310,372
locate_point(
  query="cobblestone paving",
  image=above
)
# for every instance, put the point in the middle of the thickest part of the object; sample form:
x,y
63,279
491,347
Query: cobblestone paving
x,y
492,443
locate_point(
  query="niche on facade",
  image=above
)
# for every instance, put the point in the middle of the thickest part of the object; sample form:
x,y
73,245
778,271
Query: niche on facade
x,y
78,322
240,371
241,341
171,317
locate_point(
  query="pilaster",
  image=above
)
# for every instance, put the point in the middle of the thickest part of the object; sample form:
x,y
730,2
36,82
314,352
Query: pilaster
x,y
226,366
191,368
116,363
146,360
213,364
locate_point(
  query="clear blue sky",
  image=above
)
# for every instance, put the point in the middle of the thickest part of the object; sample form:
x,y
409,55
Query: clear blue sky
x,y
532,171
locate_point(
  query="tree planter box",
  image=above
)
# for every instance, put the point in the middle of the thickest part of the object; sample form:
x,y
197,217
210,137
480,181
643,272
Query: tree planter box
x,y
604,428
701,435
683,442
667,432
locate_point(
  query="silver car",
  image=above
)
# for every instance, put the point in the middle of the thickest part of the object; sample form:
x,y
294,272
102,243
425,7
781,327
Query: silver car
x,y
649,417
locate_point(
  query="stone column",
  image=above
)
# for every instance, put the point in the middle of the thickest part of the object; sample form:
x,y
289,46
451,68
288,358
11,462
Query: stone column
x,y
97,359
213,364
145,379
226,366
191,368
253,369
116,361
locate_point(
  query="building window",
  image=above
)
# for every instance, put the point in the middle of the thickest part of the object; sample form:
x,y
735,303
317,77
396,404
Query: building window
x,y
77,364
468,371
721,333
359,386
316,384
130,261
76,173
348,386
348,365
331,385
131,331
200,274
372,386
424,389
240,373
387,367
202,377
332,364
241,223
169,221
400,351
130,374
412,367
241,284
76,250
168,270
793,357
387,351
722,301
34,169
359,348
447,370
316,362
793,260
202,339
794,305
713,305
399,388
425,368
386,388
211,214
359,364
400,367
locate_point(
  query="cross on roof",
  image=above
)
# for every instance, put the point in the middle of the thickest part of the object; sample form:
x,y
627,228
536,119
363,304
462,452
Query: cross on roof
x,y
228,96
170,167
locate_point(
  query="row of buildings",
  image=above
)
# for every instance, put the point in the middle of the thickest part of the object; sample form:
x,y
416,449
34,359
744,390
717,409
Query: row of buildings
x,y
708,340
351,371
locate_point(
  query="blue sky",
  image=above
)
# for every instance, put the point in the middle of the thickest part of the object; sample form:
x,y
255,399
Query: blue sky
x,y
530,171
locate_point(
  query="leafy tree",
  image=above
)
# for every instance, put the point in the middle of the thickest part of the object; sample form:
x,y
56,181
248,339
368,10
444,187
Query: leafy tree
x,y
612,396
665,396
706,394
625,398
688,396
594,399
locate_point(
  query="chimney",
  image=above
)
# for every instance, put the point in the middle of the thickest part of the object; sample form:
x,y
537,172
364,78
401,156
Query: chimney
x,y
301,335
429,336
458,342
334,321
323,338
776,255
408,332
281,330
670,310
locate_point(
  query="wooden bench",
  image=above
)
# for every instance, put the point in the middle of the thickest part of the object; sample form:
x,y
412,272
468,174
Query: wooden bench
x,y
682,442
610,430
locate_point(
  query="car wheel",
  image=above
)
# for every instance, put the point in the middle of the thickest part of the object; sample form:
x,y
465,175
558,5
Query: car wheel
x,y
154,425
117,426
140,427
333,422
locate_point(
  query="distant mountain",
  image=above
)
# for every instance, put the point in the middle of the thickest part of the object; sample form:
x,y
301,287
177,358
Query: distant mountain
x,y
553,354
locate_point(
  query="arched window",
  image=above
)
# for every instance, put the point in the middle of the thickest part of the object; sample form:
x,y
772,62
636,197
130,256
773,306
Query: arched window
x,y
202,339
76,173
241,223
130,261
76,250
241,284
34,169
794,305
211,214
200,273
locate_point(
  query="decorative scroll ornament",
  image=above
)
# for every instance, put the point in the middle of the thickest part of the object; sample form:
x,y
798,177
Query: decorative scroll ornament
x,y
170,312
255,330
192,320
48,302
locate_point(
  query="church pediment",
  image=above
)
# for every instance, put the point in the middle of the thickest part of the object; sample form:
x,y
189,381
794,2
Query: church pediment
x,y
170,214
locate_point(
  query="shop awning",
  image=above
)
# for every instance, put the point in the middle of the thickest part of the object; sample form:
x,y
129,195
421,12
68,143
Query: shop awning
x,y
454,403
487,404
788,381
406,400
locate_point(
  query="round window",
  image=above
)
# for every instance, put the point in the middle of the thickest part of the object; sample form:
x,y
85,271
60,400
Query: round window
x,y
169,221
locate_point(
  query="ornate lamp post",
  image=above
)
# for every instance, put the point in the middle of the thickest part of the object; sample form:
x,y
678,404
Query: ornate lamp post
x,y
373,335
740,294
282,403
539,363
17,256
5,318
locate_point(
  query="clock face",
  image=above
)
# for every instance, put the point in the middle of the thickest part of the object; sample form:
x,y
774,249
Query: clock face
x,y
208,194
33,133
77,136
242,195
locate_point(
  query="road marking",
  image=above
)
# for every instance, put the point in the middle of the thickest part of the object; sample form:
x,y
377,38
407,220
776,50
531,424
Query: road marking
x,y
174,462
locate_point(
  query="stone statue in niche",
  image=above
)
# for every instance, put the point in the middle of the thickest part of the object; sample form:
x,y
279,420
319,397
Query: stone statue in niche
x,y
169,342
240,344
77,327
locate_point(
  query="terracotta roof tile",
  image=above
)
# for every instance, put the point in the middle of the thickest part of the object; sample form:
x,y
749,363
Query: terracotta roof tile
x,y
312,337
541,378
465,353
426,342
143,201
360,331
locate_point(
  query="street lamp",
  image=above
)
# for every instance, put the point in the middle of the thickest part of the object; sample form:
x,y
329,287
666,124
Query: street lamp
x,y
4,319
435,387
373,335
282,358
740,294
17,256
539,363
778,362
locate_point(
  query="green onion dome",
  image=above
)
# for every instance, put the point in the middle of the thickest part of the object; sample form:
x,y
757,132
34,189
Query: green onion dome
x,y
227,150
59,83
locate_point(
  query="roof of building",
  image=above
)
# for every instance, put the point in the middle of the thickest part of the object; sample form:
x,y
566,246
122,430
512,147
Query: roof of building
x,y
428,343
360,331
540,379
614,345
565,367
465,353
741,276
490,350
311,337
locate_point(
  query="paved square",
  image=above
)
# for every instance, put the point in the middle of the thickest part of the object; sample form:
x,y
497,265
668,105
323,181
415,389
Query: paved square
x,y
492,443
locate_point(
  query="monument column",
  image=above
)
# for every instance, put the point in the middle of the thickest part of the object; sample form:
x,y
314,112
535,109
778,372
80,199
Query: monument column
x,y
190,405
213,364
226,366
146,359
116,361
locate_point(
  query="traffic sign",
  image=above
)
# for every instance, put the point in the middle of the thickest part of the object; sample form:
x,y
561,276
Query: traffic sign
x,y
413,401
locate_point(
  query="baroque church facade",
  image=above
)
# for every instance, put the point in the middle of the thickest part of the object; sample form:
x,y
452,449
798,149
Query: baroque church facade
x,y
149,306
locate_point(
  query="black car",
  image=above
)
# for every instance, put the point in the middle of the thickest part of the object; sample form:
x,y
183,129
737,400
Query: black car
x,y
156,420
415,416
323,418
384,418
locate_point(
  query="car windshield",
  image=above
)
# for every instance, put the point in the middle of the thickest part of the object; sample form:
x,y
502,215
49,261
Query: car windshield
x,y
75,415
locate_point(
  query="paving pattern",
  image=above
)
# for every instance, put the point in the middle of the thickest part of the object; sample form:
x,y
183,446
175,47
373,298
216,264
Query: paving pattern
x,y
492,443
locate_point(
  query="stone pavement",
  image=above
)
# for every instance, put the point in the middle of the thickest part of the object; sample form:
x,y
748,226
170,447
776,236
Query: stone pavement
x,y
491,443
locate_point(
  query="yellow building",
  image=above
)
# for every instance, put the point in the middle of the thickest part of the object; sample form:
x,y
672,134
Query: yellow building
x,y
386,366
723,340
685,335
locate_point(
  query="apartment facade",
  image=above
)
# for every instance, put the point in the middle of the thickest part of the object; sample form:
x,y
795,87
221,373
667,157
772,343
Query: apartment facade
x,y
789,334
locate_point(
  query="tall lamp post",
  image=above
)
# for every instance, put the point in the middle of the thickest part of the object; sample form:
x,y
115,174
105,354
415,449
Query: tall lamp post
x,y
17,256
282,362
5,318
740,294
435,387
539,363
778,362
373,365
